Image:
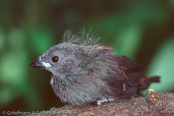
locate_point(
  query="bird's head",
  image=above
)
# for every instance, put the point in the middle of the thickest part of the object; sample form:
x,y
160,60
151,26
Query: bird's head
x,y
59,59
69,58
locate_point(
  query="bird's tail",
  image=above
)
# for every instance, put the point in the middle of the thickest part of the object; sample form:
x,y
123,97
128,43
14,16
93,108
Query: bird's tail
x,y
145,83
155,79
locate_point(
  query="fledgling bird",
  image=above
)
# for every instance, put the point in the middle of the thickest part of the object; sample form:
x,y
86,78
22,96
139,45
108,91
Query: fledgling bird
x,y
85,73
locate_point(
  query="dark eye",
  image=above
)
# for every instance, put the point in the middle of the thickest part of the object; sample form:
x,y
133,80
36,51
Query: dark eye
x,y
55,59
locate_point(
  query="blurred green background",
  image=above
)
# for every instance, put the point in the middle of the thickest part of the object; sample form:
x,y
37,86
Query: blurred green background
x,y
141,30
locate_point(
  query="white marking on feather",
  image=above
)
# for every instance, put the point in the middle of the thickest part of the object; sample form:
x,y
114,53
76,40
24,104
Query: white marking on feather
x,y
51,81
46,64
39,58
124,87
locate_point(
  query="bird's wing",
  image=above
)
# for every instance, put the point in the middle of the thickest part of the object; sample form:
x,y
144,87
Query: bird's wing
x,y
133,69
136,75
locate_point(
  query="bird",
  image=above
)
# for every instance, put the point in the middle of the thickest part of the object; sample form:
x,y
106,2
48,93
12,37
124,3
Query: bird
x,y
86,73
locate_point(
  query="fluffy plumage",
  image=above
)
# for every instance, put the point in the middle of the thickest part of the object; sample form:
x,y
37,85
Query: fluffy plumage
x,y
84,72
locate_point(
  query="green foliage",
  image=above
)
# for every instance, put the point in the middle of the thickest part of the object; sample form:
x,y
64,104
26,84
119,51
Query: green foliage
x,y
162,64
41,39
2,40
13,70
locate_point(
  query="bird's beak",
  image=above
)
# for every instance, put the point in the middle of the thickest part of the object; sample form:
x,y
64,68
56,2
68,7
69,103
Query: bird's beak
x,y
37,64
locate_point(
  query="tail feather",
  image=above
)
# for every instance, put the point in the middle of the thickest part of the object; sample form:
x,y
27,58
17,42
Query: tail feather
x,y
155,79
146,83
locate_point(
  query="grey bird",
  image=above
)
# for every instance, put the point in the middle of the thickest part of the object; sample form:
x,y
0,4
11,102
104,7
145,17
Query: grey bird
x,y
84,72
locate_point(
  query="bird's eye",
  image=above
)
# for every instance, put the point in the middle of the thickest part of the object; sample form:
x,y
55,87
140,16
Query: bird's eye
x,y
55,59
